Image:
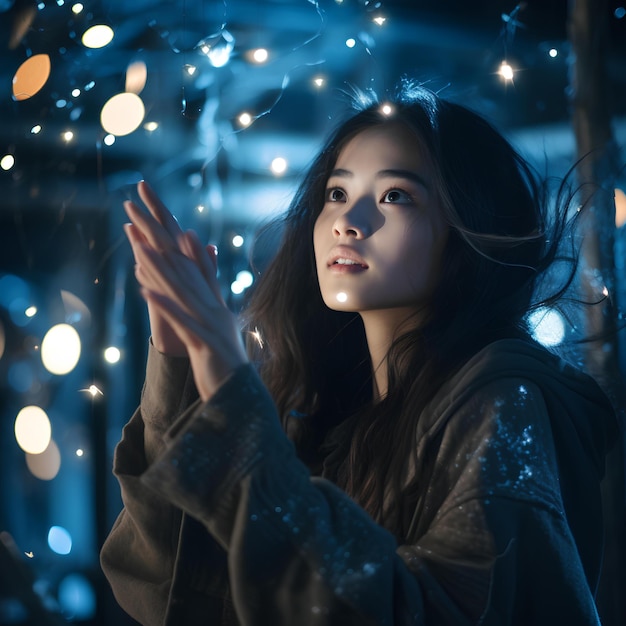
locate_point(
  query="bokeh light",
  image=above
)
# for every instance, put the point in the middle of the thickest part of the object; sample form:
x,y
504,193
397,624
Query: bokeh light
x,y
97,36
31,76
112,354
136,77
77,597
32,429
122,114
60,349
45,465
59,540
7,162
279,165
547,326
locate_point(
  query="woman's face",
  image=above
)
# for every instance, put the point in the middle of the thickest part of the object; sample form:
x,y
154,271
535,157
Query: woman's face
x,y
379,238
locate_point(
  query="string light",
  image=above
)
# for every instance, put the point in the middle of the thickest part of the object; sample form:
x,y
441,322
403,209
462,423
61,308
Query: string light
x,y
318,81
31,311
151,126
279,166
68,136
31,76
245,119
506,71
112,355
260,55
122,114
109,139
386,109
60,349
379,20
36,129
77,8
190,69
553,52
200,208
351,42
32,429
7,162
237,241
97,36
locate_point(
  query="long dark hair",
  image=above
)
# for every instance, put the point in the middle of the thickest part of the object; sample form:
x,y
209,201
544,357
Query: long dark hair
x,y
315,361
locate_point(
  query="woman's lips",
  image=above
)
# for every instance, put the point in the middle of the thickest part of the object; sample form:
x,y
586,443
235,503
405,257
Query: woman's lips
x,y
346,266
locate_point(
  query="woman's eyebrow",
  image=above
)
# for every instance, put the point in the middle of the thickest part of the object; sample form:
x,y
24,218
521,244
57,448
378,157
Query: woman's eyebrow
x,y
408,174
390,173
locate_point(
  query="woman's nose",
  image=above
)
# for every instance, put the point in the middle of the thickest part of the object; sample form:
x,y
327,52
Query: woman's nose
x,y
355,221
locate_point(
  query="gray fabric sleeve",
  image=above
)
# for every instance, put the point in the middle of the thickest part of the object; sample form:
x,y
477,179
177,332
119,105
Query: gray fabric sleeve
x,y
301,552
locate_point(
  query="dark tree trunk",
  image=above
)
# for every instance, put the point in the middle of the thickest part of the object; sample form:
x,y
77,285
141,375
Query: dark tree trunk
x,y
597,172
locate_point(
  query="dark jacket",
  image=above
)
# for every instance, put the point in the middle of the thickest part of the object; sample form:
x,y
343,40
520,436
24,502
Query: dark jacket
x,y
224,524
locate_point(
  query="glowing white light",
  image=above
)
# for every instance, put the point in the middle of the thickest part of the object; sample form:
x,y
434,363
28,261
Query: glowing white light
x,y
237,241
318,81
90,85
342,296
60,2
257,335
260,55
151,126
386,109
506,71
190,69
80,452
279,165
605,291
109,139
380,20
122,114
77,8
46,465
60,349
245,278
351,42
217,48
59,540
547,326
553,52
67,136
112,354
236,287
200,208
97,36
36,129
245,119
32,429
31,311
93,391
76,92
30,555
7,162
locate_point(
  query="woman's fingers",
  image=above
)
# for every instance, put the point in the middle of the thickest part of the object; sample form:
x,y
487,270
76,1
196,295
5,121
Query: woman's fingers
x,y
159,211
206,261
149,228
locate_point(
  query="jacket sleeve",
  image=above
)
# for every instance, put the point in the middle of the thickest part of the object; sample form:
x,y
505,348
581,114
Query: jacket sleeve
x,y
139,554
300,551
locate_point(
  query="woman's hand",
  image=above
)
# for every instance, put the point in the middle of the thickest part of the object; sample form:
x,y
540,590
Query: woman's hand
x,y
179,282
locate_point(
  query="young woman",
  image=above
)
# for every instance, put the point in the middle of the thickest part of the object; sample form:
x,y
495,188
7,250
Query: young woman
x,y
392,448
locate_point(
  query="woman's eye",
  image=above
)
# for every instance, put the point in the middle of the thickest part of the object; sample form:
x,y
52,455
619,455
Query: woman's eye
x,y
397,196
335,195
